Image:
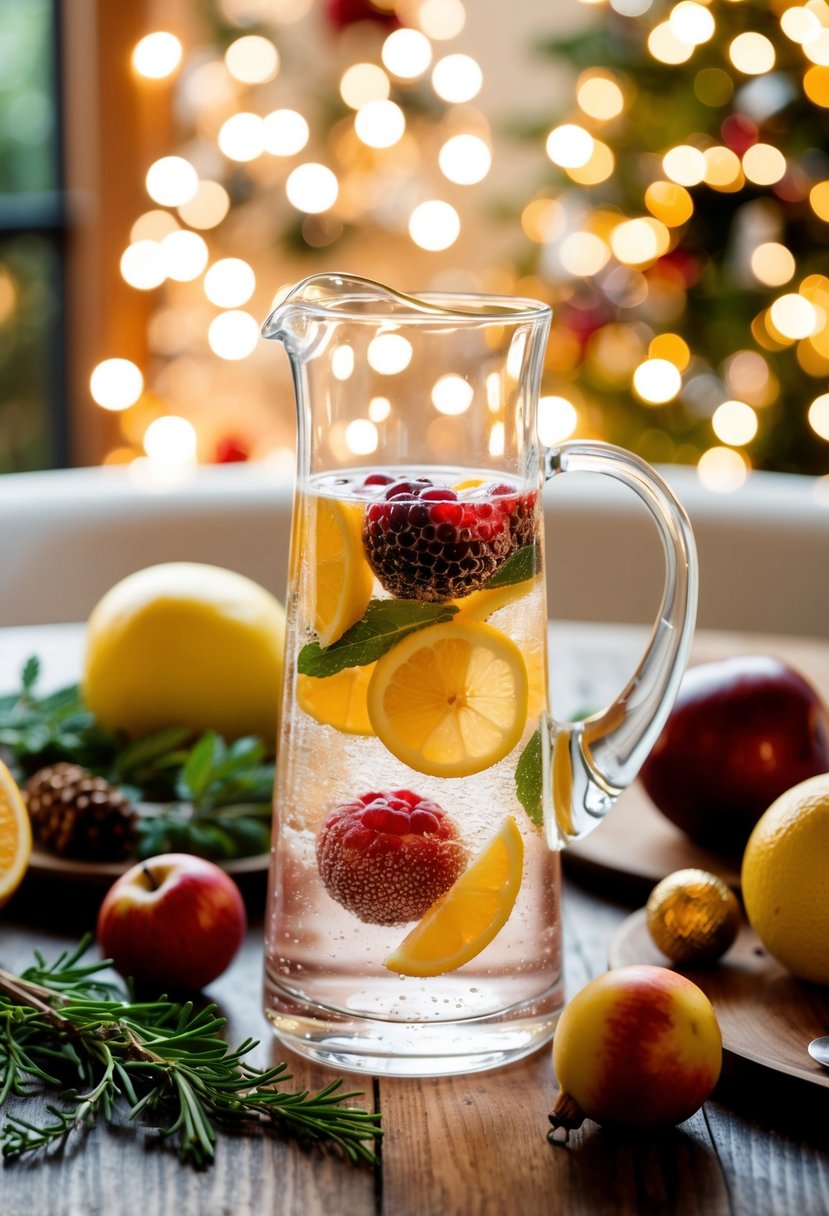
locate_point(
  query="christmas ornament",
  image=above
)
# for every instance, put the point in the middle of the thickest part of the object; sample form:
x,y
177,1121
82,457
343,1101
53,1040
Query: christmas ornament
x,y
75,814
692,916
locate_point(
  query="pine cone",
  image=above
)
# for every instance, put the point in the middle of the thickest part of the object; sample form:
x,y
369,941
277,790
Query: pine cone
x,y
75,814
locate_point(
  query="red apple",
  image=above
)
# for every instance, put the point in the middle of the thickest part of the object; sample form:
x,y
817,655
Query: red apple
x,y
742,730
637,1047
174,921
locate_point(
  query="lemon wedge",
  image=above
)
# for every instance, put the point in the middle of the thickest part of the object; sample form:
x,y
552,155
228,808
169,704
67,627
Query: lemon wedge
x,y
467,917
450,700
343,576
338,700
15,835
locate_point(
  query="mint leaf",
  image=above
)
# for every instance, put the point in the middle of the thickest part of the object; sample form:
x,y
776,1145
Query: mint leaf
x,y
385,623
207,754
528,780
518,567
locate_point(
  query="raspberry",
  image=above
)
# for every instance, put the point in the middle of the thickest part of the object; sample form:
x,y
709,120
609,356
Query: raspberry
x,y
424,542
388,856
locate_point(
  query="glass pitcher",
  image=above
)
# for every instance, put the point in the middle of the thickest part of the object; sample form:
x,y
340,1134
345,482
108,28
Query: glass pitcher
x,y
423,790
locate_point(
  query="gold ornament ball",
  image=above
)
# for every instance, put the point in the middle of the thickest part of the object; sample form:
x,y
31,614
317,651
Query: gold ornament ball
x,y
693,916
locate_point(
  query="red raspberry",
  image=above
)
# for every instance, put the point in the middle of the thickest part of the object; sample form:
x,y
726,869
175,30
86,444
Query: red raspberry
x,y
388,856
424,542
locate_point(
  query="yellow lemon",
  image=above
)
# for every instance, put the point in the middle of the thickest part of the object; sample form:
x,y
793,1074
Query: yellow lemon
x,y
468,916
450,700
338,700
185,644
785,879
343,577
15,836
481,604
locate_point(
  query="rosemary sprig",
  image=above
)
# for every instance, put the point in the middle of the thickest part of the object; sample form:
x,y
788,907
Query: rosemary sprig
x,y
62,1027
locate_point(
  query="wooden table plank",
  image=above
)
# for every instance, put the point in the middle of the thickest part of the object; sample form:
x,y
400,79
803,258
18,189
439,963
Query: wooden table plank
x,y
473,1145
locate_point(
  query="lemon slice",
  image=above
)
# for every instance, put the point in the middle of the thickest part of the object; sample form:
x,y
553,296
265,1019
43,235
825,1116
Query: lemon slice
x,y
15,835
450,700
343,576
481,604
468,916
338,700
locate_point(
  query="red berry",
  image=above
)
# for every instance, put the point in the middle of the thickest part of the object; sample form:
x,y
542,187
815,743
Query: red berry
x,y
387,856
425,542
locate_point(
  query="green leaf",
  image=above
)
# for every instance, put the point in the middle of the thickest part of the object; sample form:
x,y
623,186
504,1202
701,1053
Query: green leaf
x,y
151,749
206,755
385,623
519,566
529,780
31,671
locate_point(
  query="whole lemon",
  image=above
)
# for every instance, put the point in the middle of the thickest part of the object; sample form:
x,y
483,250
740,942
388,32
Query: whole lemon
x,y
186,644
785,879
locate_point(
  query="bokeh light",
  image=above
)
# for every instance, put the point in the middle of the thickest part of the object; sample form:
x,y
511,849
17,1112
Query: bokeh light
x,y
657,381
171,442
752,54
389,353
407,53
599,95
764,164
185,255
441,19
364,82
116,384
312,187
465,159
242,137
208,206
142,265
171,181
793,316
664,45
434,225
557,419
734,422
451,394
691,23
772,264
229,283
722,470
819,416
157,55
457,78
361,436
233,335
380,124
569,146
684,165
286,132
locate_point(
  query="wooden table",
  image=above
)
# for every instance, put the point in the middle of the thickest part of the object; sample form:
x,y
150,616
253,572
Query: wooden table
x,y
473,1145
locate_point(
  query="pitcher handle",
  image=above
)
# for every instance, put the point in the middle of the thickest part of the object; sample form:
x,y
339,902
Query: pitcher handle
x,y
591,762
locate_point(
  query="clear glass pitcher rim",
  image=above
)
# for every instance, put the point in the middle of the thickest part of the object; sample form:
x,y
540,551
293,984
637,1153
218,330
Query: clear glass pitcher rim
x,y
456,307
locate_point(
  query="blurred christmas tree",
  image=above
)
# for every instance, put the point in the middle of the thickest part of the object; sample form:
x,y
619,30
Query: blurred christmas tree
x,y
685,239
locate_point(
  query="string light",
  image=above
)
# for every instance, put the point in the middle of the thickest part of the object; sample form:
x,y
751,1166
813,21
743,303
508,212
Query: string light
x,y
142,265
171,181
364,82
233,335
772,264
569,146
793,316
722,470
242,137
735,423
441,19
691,23
171,442
407,53
157,55
599,95
752,54
684,165
465,159
434,225
312,188
457,78
819,416
379,124
116,384
208,206
252,59
657,381
229,283
286,132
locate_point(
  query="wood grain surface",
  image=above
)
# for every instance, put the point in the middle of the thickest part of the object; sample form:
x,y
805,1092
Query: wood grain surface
x,y
766,1016
472,1146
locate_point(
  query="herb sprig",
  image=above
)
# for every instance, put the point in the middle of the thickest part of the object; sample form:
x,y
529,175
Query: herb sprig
x,y
64,1028
209,797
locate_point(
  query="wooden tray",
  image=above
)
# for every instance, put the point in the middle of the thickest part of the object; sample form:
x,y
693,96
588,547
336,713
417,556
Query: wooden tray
x,y
767,1017
637,846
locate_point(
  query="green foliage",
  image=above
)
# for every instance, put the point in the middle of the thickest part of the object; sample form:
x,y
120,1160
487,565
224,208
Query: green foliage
x,y
67,1032
203,795
702,288
385,623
